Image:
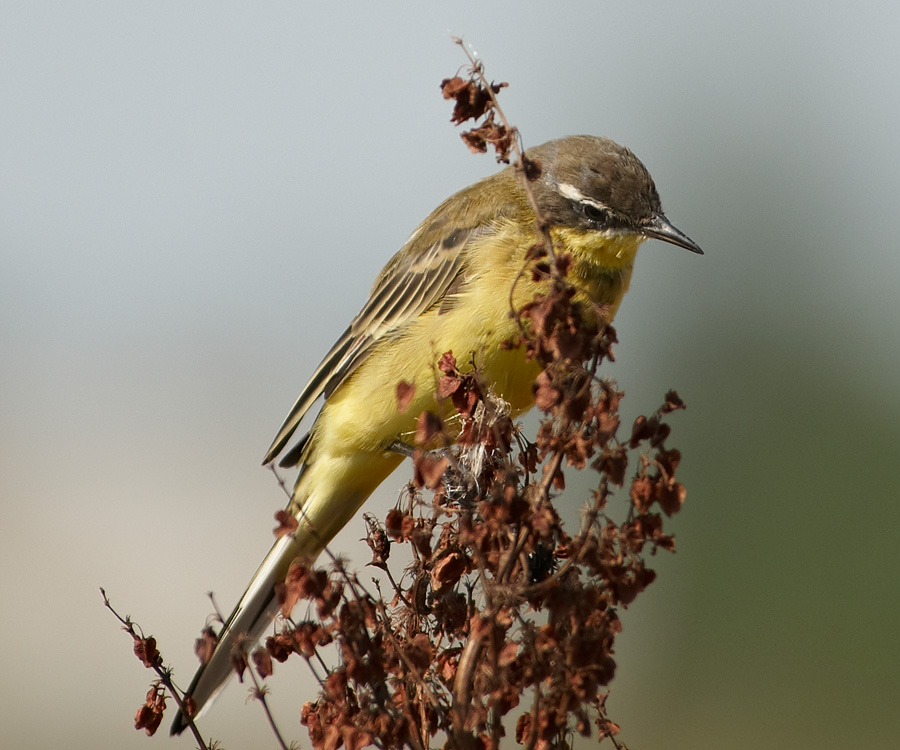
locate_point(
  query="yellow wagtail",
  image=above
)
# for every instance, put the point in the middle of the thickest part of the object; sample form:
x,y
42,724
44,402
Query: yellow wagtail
x,y
449,288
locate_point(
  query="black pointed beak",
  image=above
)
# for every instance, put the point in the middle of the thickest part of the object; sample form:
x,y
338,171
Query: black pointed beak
x,y
660,228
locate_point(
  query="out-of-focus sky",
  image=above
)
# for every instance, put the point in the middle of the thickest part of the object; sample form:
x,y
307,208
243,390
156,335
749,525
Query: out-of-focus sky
x,y
182,185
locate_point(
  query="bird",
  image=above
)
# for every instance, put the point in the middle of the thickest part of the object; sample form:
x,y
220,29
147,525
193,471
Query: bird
x,y
451,287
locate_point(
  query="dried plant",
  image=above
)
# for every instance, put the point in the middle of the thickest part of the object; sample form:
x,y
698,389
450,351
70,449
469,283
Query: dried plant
x,y
502,616
504,620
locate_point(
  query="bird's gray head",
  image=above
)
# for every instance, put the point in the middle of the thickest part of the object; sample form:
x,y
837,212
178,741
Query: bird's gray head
x,y
594,184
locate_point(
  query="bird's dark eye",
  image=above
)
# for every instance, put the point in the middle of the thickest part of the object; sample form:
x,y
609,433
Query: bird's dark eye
x,y
595,213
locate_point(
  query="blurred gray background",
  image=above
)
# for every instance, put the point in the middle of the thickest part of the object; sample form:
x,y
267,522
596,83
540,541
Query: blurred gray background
x,y
182,182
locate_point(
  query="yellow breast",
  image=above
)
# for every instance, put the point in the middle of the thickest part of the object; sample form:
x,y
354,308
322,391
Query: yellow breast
x,y
362,414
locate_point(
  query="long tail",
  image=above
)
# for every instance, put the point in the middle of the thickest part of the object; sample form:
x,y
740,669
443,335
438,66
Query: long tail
x,y
249,620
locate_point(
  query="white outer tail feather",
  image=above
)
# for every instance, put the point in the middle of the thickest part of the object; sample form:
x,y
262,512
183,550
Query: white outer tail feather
x,y
254,612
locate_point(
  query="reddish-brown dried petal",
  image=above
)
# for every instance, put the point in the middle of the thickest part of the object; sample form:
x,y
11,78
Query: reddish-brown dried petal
x,y
613,462
145,650
206,644
148,719
239,664
380,545
451,87
287,524
419,651
447,364
641,430
280,646
523,729
659,437
263,661
429,470
447,385
407,526
336,686
190,705
393,524
405,393
671,497
642,494
448,570
546,395
428,425
449,668
668,461
673,403
287,597
422,541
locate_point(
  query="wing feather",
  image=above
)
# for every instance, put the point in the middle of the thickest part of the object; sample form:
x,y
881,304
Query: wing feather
x,y
410,284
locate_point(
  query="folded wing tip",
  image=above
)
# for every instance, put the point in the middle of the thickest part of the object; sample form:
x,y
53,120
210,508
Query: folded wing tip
x,y
179,725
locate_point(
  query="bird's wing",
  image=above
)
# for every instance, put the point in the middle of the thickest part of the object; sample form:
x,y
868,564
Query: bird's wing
x,y
416,278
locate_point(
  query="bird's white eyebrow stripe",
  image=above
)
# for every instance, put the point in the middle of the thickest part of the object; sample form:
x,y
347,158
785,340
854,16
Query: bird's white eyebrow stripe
x,y
567,190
